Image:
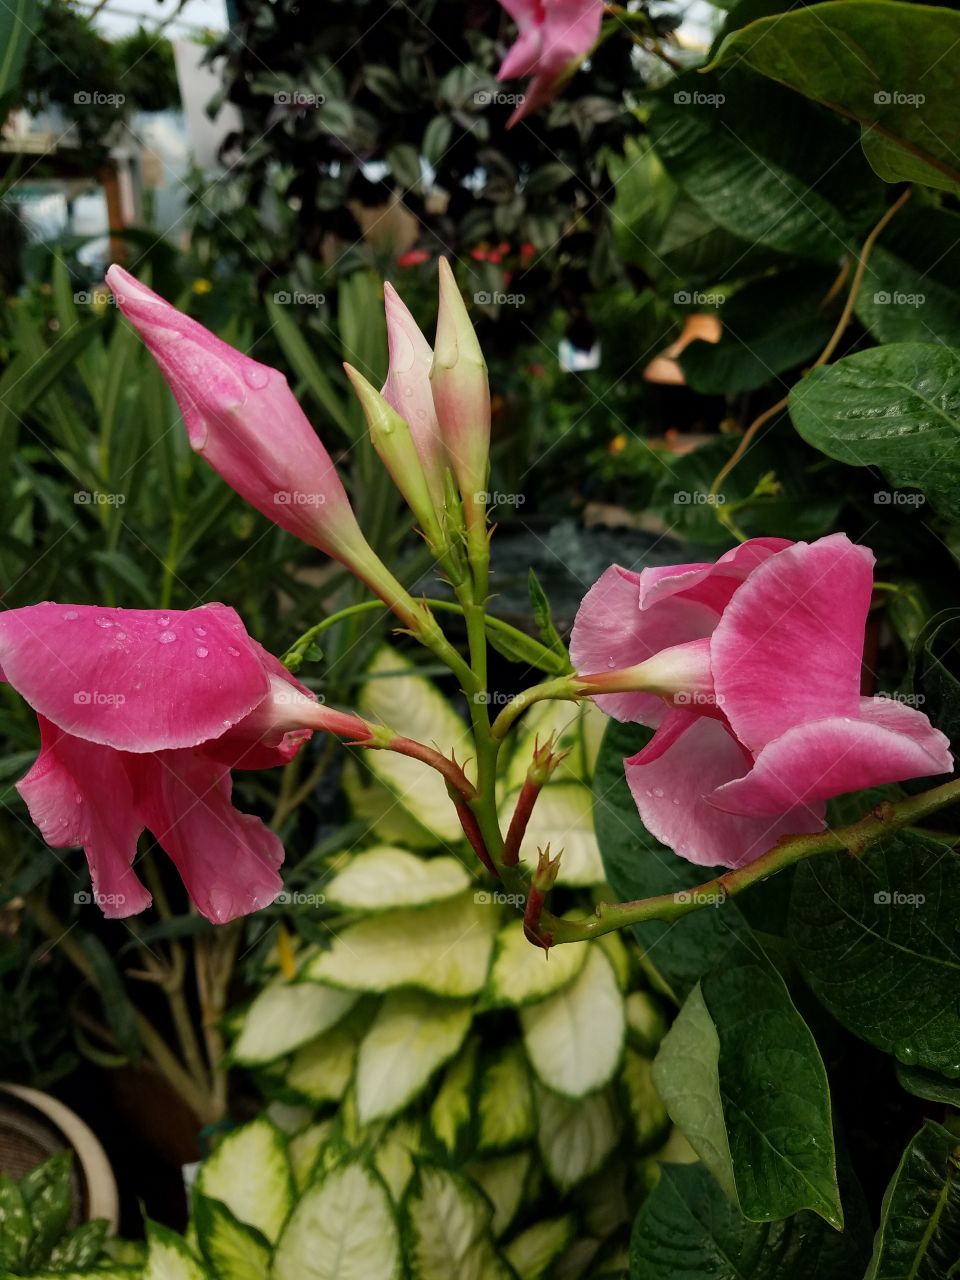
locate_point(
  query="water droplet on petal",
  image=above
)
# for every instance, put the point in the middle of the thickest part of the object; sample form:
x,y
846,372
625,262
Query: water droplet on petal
x,y
202,652
78,798
256,377
121,635
70,615
658,792
167,637
676,802
611,663
234,653
163,621
104,622
199,631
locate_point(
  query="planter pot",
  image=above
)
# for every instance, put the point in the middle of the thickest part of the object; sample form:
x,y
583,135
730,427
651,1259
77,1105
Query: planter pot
x,y
33,1126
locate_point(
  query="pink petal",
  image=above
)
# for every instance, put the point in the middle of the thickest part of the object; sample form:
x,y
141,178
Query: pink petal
x,y
522,58
228,860
789,646
711,584
407,389
245,421
610,631
79,794
672,795
887,742
138,679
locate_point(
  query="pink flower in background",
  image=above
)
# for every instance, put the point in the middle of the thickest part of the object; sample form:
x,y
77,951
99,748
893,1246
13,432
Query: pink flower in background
x,y
142,716
553,35
751,675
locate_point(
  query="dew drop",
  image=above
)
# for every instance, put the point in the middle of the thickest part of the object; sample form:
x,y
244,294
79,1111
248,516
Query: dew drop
x,y
676,802
199,631
658,792
234,653
163,621
256,377
70,615
167,637
104,622
121,635
611,663
77,798
202,652
905,1053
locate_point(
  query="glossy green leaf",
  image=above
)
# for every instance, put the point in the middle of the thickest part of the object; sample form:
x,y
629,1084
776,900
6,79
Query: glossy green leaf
x,y
895,407
919,1235
870,934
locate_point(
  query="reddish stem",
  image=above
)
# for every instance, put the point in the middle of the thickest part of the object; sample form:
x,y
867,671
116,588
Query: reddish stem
x,y
452,773
471,829
518,823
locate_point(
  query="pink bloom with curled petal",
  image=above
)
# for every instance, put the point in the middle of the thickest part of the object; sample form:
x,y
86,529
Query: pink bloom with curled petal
x,y
142,715
552,37
755,662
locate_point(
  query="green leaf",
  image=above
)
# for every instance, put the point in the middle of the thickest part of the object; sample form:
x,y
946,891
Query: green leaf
x,y
929,1085
16,1229
896,407
502,1179
117,1005
739,146
233,1250
544,618
48,1195
911,286
639,866
646,1023
306,366
411,1037
452,1108
448,1229
80,1248
935,673
576,1136
250,1173
531,1252
18,23
169,1256
321,1070
342,1229
436,139
869,60
286,1015
650,1120
444,948
687,1227
385,878
505,1110
574,1038
521,974
871,933
919,1235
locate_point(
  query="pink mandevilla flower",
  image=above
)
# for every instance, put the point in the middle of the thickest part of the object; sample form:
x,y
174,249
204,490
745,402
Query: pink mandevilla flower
x,y
552,35
142,716
756,666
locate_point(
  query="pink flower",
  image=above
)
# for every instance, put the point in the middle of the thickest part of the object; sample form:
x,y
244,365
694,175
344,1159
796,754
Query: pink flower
x,y
142,716
749,669
553,36
242,417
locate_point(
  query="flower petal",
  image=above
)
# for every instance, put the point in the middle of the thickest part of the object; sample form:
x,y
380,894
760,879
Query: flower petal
x,y
789,646
228,860
79,794
711,584
672,790
137,679
610,632
407,390
887,742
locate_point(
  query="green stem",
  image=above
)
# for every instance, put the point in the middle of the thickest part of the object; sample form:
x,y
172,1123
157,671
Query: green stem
x,y
855,838
563,687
